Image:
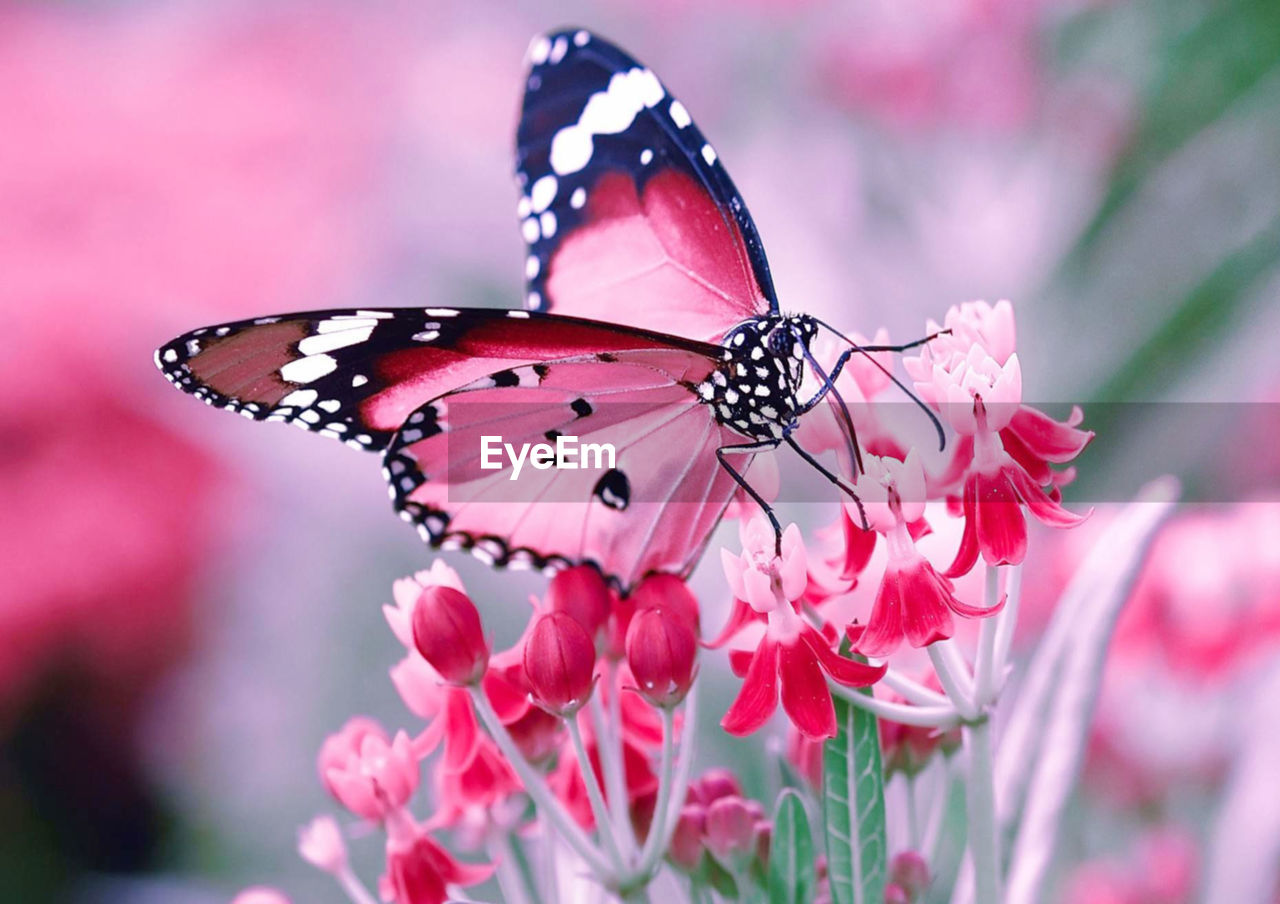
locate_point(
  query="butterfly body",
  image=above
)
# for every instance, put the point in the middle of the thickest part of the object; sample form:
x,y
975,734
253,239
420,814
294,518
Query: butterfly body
x,y
756,388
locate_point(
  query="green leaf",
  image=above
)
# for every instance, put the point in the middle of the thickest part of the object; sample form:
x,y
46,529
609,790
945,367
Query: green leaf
x,y
853,804
791,876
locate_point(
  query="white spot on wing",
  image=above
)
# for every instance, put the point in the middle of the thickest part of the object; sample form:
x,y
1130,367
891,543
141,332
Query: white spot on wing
x,y
299,398
305,370
548,221
440,312
529,229
679,115
646,157
578,198
359,380
539,49
543,193
607,112
170,355
327,342
708,154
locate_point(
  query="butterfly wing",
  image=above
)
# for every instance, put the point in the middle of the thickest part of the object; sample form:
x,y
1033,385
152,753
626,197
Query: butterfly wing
x,y
356,375
626,210
651,508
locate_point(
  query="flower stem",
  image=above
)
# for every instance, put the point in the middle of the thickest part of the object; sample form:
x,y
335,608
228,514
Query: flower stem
x,y
609,744
954,678
984,677
515,884
984,840
941,717
353,887
599,809
656,842
534,785
913,690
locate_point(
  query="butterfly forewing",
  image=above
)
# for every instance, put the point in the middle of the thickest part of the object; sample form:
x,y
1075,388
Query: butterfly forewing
x,y
626,210
651,507
358,374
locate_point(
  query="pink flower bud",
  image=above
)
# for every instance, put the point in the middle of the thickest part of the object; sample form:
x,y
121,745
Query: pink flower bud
x,y
320,844
731,829
559,663
895,894
365,773
581,592
669,592
661,650
910,871
685,850
717,783
448,634
260,894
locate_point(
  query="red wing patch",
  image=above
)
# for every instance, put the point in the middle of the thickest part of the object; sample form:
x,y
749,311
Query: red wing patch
x,y
666,256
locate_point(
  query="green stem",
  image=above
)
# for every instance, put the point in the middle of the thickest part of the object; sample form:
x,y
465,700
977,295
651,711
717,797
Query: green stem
x,y
549,808
604,826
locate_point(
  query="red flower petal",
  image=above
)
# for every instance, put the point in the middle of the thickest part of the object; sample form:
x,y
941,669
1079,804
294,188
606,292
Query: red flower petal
x,y
967,554
1051,440
883,633
1002,528
740,661
805,695
758,697
848,672
1046,510
927,601
859,544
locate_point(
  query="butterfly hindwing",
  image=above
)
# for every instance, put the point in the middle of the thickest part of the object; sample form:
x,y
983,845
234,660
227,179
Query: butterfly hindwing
x,y
357,375
651,507
627,212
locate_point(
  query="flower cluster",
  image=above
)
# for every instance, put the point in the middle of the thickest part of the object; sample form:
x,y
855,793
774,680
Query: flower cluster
x,y
995,469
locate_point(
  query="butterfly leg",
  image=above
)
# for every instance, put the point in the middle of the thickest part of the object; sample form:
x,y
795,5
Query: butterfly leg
x,y
762,446
829,386
834,478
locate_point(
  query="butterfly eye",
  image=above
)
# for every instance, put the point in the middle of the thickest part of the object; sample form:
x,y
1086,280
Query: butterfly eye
x,y
780,341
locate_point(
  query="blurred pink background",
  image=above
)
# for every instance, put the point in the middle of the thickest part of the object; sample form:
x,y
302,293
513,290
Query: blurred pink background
x,y
191,601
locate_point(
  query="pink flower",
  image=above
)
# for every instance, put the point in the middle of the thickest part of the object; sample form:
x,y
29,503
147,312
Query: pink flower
x,y
913,602
995,489
758,576
972,377
661,651
792,659
320,844
559,663
448,633
472,776
365,772
419,871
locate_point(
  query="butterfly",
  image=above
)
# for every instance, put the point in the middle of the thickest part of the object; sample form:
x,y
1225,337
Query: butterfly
x,y
633,229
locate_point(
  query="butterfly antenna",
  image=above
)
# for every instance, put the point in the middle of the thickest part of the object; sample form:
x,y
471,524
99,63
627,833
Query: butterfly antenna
x,y
866,353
